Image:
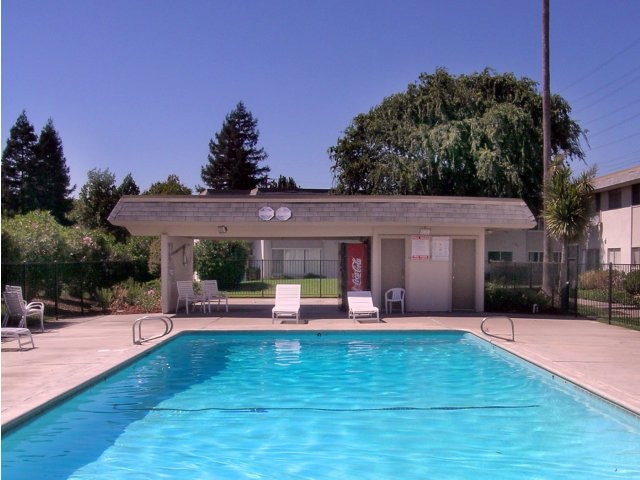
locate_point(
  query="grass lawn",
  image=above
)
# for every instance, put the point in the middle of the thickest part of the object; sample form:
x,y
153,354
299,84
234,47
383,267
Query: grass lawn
x,y
311,287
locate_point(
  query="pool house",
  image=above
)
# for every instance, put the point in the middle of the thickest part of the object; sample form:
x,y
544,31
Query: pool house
x,y
433,247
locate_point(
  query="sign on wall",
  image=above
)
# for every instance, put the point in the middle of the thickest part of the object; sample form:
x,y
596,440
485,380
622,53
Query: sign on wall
x,y
420,247
440,249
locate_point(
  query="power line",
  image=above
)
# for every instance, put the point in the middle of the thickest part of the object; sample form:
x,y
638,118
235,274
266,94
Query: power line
x,y
604,97
603,64
616,141
621,122
607,85
624,107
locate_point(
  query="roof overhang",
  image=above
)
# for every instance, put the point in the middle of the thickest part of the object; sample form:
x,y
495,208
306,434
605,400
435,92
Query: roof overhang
x,y
321,215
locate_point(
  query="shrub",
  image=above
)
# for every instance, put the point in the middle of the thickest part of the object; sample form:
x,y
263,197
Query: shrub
x,y
224,261
599,279
104,296
632,283
501,299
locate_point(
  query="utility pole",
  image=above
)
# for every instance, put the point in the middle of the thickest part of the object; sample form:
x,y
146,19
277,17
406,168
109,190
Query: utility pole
x,y
547,273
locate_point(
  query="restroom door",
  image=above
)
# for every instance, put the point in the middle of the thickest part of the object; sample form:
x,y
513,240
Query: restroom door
x,y
463,287
392,264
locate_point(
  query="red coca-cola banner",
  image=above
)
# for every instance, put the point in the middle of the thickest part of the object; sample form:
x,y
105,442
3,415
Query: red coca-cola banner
x,y
357,267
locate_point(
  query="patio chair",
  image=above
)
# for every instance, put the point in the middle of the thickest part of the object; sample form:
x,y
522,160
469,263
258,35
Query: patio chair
x,y
18,334
287,302
17,307
361,305
394,295
209,289
186,293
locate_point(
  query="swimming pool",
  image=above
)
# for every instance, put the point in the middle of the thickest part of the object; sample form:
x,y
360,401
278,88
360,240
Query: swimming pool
x,y
332,405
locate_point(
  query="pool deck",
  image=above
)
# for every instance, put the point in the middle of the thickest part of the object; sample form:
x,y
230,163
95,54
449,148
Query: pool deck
x,y
603,359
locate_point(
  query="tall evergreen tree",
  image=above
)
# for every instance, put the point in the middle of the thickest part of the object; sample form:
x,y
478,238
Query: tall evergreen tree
x,y
233,156
19,162
128,186
53,180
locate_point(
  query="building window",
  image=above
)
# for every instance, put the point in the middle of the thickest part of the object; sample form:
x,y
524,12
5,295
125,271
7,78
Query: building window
x,y
593,258
635,256
500,256
598,200
615,198
635,194
536,256
613,255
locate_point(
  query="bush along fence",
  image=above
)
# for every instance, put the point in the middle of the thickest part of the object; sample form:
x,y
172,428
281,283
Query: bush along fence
x,y
79,288
608,293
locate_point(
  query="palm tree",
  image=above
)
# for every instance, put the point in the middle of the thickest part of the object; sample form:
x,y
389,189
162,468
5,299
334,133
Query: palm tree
x,y
566,211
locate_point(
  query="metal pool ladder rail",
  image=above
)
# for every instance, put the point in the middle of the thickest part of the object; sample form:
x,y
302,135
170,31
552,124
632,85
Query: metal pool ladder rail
x,y
486,332
139,339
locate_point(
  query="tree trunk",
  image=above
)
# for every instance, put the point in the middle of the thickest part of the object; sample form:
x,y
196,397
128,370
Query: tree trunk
x,y
547,280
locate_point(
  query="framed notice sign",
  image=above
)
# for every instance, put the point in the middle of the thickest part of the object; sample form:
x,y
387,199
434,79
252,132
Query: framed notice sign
x,y
420,247
440,248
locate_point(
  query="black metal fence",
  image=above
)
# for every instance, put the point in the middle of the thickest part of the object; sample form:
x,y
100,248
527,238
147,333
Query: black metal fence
x,y
70,288
318,278
608,293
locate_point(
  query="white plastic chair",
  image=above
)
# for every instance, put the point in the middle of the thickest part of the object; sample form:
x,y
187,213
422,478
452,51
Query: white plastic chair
x,y
361,305
186,293
209,289
287,302
394,295
17,307
18,334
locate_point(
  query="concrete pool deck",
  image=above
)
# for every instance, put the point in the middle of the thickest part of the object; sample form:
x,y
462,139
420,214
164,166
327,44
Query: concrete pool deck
x,y
601,358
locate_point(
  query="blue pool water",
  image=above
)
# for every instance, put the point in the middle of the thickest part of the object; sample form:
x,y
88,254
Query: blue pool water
x,y
399,405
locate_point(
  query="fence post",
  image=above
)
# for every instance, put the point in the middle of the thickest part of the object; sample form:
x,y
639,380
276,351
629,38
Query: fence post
x,y
610,289
576,286
55,285
24,278
262,276
82,287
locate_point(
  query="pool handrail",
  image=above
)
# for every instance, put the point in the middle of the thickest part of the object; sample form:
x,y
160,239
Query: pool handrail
x,y
486,332
168,326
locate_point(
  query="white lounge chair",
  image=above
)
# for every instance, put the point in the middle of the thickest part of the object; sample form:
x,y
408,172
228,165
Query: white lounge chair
x,y
361,305
186,293
18,334
17,307
209,289
287,302
394,295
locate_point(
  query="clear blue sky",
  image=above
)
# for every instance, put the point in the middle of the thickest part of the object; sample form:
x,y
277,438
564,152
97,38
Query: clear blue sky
x,y
141,86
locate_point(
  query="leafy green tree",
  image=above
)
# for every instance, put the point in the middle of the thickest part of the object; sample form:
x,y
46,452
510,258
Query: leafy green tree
x,y
283,183
53,185
171,186
224,261
475,135
566,211
96,200
19,169
234,159
128,186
